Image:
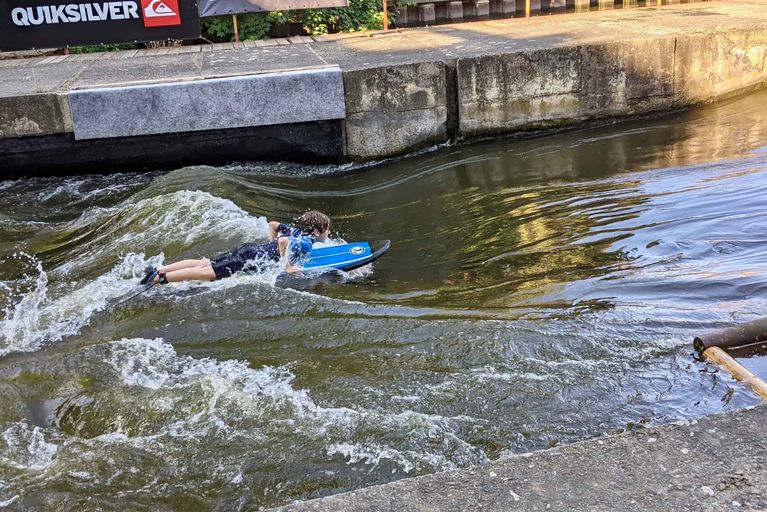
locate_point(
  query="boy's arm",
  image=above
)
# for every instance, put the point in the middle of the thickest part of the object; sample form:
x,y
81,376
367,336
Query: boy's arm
x,y
283,244
273,225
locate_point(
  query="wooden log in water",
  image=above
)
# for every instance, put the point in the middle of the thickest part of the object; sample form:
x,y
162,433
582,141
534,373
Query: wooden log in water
x,y
737,370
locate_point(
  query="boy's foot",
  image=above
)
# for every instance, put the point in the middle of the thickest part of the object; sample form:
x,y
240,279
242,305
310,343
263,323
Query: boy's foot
x,y
150,273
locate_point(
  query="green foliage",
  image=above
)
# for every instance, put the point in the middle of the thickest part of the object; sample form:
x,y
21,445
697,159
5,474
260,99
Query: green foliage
x,y
358,16
101,48
249,26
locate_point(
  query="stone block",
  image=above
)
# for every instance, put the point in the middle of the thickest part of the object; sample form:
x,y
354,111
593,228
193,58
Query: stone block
x,y
579,5
554,6
502,8
535,8
440,12
708,67
469,10
455,11
395,88
413,17
482,9
372,135
507,92
34,114
395,109
426,14
627,77
236,102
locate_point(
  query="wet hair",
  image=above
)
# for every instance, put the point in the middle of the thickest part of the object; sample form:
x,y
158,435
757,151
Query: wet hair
x,y
314,220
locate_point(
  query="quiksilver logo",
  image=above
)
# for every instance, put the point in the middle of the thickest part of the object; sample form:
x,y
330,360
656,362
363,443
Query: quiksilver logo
x,y
75,13
158,8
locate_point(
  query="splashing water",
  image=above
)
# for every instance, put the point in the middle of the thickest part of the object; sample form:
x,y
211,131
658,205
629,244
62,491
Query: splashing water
x,y
37,320
25,447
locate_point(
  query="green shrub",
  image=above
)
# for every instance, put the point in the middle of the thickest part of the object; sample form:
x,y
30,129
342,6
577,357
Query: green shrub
x,y
359,15
101,48
249,26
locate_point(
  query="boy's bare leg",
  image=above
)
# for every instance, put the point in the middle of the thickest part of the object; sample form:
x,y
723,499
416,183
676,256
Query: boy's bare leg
x,y
190,274
184,264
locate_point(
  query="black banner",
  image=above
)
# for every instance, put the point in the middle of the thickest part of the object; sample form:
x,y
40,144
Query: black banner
x,y
218,7
27,24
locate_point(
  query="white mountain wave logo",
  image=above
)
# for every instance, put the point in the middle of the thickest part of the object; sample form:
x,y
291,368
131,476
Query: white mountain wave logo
x,y
158,8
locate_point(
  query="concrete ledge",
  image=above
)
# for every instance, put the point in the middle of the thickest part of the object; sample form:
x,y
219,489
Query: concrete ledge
x,y
223,103
711,464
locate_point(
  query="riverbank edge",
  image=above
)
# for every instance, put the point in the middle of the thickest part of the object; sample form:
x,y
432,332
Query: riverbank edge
x,y
712,463
390,110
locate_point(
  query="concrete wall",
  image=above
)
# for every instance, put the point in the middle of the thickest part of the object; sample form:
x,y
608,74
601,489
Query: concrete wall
x,y
391,110
562,86
379,112
265,99
398,109
34,114
710,67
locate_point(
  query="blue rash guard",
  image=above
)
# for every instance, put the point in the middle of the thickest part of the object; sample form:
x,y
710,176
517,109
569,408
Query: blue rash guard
x,y
256,257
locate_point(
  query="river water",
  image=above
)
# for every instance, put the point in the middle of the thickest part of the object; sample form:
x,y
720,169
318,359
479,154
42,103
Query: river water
x,y
537,292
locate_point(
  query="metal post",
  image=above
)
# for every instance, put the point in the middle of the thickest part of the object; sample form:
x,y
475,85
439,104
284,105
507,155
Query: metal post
x,y
738,335
385,15
236,33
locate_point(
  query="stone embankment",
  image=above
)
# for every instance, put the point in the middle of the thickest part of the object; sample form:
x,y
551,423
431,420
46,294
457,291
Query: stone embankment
x,y
356,97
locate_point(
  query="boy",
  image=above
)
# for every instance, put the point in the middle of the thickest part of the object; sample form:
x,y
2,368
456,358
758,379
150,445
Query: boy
x,y
296,242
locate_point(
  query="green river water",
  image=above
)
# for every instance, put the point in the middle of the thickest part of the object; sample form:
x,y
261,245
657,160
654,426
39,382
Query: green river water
x,y
537,292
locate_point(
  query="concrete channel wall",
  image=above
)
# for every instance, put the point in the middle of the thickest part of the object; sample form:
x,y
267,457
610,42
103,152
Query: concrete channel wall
x,y
363,100
553,87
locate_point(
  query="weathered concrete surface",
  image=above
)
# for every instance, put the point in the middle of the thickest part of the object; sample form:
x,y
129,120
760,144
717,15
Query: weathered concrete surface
x,y
712,464
560,86
220,103
709,66
390,105
31,115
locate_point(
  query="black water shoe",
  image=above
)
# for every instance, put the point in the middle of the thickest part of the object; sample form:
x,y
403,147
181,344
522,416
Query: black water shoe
x,y
149,274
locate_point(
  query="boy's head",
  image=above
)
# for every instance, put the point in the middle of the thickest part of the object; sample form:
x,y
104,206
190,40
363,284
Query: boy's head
x,y
315,223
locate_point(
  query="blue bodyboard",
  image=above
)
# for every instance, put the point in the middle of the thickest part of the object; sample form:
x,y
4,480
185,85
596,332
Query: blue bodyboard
x,y
344,256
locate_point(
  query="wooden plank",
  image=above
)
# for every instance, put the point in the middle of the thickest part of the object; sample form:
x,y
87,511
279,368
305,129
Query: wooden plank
x,y
737,370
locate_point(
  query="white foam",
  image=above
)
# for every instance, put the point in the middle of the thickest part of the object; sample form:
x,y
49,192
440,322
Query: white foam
x,y
9,501
185,217
232,391
26,448
37,319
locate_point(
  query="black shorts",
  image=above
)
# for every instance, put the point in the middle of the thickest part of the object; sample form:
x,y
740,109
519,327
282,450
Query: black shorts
x,y
249,257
